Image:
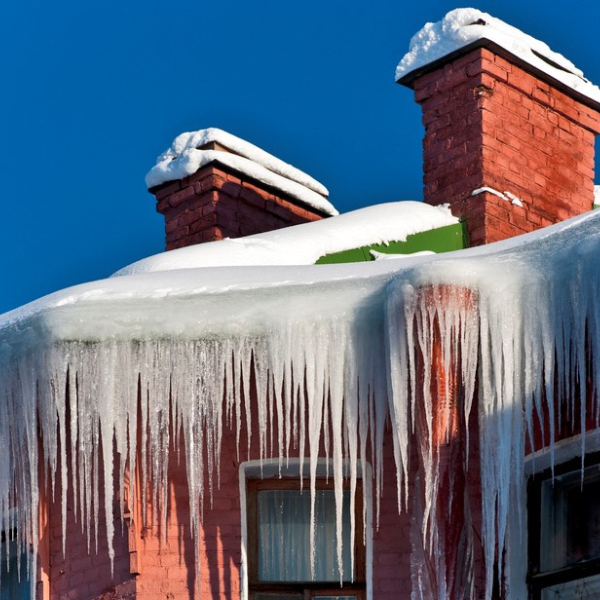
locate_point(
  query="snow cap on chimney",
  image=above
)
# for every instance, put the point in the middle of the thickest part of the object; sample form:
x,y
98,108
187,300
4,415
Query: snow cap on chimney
x,y
210,184
192,150
463,29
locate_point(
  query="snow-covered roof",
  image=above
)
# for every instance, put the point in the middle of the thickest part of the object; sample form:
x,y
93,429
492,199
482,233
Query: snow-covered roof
x,y
305,244
151,298
342,339
226,265
465,26
185,156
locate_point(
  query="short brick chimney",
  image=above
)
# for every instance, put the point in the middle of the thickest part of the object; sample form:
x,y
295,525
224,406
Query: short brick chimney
x,y
210,185
509,126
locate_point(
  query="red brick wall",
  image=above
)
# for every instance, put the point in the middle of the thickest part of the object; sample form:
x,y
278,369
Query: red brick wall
x,y
77,574
391,541
148,568
167,568
490,123
215,203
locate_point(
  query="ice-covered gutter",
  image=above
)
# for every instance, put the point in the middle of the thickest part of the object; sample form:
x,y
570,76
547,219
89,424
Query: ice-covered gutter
x,y
336,344
305,244
465,26
185,156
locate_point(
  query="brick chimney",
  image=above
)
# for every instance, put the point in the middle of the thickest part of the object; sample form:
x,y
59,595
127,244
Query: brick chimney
x,y
509,127
211,185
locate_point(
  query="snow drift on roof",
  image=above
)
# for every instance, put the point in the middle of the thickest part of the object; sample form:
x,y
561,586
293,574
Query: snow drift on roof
x,y
305,244
185,157
464,26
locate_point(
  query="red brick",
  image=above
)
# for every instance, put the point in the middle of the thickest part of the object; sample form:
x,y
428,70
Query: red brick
x,y
190,207
166,190
180,197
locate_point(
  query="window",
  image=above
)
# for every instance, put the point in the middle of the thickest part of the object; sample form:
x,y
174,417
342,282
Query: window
x,y
564,540
278,521
14,583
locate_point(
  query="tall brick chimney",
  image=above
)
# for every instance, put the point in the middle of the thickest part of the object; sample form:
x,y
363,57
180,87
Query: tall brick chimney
x,y
210,185
509,125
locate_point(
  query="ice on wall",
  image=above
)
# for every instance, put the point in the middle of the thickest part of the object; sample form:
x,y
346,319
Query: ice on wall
x,y
463,26
346,350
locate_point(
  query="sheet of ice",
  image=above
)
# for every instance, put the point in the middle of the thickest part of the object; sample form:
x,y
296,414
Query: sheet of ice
x,y
463,26
333,348
305,244
185,157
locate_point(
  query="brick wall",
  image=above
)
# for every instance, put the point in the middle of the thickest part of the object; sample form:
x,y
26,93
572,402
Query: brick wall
x,y
216,202
84,572
167,569
490,123
391,540
148,567
167,566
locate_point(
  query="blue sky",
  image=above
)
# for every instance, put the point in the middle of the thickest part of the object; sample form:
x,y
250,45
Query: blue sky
x,y
94,91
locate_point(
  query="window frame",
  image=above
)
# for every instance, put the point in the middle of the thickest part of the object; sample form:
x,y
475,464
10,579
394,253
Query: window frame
x,y
252,482
538,580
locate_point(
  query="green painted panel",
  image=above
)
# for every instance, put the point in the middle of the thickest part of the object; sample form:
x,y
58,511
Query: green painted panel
x,y
444,239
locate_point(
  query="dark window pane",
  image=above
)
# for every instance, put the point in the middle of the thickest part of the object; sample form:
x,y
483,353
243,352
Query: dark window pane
x,y
570,519
14,584
580,589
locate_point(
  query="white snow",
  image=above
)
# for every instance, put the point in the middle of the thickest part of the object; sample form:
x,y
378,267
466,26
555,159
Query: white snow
x,y
197,139
389,256
185,157
334,348
597,195
305,244
514,199
506,196
463,26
